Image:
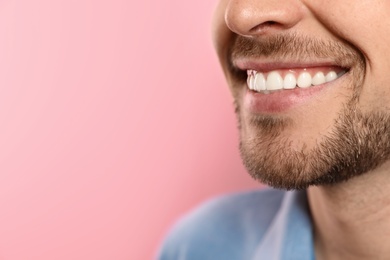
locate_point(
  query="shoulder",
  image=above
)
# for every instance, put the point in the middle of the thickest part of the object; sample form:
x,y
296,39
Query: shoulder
x,y
229,227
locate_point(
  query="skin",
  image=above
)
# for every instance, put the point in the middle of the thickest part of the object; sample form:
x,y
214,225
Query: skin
x,y
351,216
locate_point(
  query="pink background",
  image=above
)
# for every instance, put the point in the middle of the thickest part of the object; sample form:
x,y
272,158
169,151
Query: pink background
x,y
115,120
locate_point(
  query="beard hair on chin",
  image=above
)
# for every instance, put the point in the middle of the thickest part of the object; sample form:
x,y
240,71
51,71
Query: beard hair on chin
x,y
358,143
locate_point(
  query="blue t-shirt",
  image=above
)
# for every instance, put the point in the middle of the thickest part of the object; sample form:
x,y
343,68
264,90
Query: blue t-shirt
x,y
259,225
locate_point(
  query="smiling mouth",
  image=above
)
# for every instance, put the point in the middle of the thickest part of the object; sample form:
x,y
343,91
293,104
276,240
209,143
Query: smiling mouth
x,y
276,87
276,80
279,75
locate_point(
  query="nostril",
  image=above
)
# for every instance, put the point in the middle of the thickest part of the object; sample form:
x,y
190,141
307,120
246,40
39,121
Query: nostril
x,y
269,23
264,25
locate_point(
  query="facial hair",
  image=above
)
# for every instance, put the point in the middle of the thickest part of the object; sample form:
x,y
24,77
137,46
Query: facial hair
x,y
357,143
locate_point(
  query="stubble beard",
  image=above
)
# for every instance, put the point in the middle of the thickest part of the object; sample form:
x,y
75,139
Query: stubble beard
x,y
358,143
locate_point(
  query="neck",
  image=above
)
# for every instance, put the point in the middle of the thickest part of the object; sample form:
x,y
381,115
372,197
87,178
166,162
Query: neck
x,y
352,219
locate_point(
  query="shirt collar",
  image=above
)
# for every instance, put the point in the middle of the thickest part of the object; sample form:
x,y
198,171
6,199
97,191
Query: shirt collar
x,y
290,235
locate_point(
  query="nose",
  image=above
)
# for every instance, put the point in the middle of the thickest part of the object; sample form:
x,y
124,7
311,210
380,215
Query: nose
x,y
261,17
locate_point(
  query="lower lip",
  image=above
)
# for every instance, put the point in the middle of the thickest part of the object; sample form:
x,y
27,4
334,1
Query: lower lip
x,y
281,100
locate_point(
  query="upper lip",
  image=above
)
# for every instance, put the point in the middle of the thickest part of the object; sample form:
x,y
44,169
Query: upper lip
x,y
265,65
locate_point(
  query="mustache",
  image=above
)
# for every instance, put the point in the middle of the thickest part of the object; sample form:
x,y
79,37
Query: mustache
x,y
294,47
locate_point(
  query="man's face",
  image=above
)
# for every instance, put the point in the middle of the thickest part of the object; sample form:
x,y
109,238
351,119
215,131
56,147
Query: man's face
x,y
311,84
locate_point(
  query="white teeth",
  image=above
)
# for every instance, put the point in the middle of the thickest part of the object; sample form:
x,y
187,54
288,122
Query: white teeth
x,y
318,79
289,81
273,81
304,80
331,76
259,82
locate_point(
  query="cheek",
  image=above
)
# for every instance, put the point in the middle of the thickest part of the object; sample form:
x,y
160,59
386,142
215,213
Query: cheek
x,y
375,95
354,21
222,37
364,24
220,32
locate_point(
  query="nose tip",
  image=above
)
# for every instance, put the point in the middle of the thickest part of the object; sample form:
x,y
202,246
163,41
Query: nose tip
x,y
259,17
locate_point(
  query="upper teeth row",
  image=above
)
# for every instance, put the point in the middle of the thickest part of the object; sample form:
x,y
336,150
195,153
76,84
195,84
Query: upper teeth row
x,y
274,81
